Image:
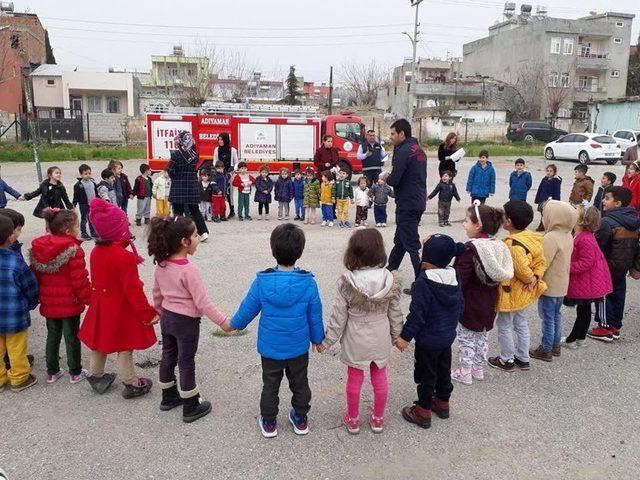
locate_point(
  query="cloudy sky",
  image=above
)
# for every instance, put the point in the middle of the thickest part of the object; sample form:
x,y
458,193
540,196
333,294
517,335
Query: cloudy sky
x,y
273,34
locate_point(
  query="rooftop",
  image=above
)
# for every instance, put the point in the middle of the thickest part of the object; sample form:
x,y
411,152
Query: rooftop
x,y
47,71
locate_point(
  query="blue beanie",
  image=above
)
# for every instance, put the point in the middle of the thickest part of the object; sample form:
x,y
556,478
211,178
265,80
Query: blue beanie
x,y
440,249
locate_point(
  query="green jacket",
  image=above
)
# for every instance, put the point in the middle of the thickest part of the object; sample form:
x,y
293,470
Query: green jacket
x,y
342,189
311,197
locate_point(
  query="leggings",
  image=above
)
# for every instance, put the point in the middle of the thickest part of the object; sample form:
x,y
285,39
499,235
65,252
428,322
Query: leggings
x,y
380,384
263,206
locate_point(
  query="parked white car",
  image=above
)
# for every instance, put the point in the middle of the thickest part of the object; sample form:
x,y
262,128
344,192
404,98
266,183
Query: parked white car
x,y
584,147
626,138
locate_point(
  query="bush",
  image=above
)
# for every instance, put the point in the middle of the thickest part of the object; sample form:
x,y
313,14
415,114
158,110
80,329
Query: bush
x,y
60,152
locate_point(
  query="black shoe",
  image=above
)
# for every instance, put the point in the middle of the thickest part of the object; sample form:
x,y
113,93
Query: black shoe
x,y
406,291
216,220
86,237
170,399
101,384
240,218
496,362
146,221
223,218
133,391
248,217
520,364
232,213
194,408
138,222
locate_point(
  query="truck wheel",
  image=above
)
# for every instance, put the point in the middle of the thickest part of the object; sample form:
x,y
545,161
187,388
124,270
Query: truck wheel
x,y
583,158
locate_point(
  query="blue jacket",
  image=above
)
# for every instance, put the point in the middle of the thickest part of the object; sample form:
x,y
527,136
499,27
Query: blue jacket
x,y
4,189
409,176
482,181
597,199
298,189
263,184
218,183
436,306
291,312
549,188
283,190
19,293
519,186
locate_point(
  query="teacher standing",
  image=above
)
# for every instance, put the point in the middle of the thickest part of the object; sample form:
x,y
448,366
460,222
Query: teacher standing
x,y
445,150
185,194
326,156
408,178
372,155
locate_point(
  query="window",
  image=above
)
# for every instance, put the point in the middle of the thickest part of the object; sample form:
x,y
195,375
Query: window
x,y
553,79
94,104
564,113
555,45
615,73
51,82
604,139
583,82
15,41
349,131
619,24
567,46
565,80
579,138
113,104
617,40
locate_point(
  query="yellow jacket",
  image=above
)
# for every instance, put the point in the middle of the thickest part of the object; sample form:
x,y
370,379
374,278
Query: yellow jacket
x,y
325,193
528,262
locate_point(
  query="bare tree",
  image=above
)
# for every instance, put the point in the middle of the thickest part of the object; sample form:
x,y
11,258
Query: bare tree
x,y
193,81
362,81
520,94
235,66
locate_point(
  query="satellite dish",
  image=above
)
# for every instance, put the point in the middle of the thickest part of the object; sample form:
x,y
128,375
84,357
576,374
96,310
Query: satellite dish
x,y
431,103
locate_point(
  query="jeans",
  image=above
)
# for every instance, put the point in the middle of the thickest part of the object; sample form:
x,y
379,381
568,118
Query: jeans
x,y
56,327
327,212
283,210
263,206
611,315
380,213
432,374
205,209
15,345
444,210
549,309
180,335
179,210
143,208
299,206
243,204
84,220
125,205
406,240
272,373
507,323
380,384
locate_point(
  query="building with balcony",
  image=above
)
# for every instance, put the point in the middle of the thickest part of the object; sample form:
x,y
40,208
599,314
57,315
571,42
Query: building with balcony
x,y
589,56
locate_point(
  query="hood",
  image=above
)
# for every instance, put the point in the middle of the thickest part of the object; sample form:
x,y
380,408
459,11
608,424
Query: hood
x,y
480,165
585,179
532,241
559,216
494,259
369,287
284,288
444,284
49,253
625,216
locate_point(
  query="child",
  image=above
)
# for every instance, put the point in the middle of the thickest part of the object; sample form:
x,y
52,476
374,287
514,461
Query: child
x,y
291,318
484,264
205,194
549,189
558,219
311,196
436,305
631,181
19,296
582,186
607,180
57,259
380,193
326,198
446,191
519,182
283,193
482,178
618,240
515,295
361,199
243,182
84,191
589,277
52,193
143,189
121,185
180,294
160,192
218,189
119,318
106,189
4,189
264,186
343,193
18,223
366,317
298,195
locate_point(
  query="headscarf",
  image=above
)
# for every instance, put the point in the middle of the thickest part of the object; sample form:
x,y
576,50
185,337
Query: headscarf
x,y
186,145
224,151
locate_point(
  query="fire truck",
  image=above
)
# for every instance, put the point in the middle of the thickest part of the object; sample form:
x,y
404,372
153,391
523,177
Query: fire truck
x,y
273,135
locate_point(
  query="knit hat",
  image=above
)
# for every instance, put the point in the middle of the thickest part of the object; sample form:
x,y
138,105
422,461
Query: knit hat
x,y
439,250
111,223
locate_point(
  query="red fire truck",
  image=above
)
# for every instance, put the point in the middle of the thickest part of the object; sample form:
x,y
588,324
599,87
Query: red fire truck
x,y
275,135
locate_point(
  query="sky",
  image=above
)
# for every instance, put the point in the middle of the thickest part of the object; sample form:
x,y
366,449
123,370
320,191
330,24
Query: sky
x,y
273,34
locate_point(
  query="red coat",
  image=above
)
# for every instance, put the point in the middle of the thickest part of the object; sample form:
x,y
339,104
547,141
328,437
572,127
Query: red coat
x,y
237,181
58,262
634,186
119,313
322,157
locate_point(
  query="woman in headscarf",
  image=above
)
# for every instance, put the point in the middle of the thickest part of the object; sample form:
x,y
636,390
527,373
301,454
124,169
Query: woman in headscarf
x,y
228,155
185,194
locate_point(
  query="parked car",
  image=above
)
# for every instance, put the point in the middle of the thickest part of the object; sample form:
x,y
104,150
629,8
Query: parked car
x,y
533,130
626,138
584,147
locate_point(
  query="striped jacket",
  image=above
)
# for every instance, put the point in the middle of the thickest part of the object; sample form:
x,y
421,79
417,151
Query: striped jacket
x,y
18,293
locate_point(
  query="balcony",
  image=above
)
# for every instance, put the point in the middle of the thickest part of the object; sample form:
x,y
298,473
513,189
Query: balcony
x,y
593,61
449,89
590,93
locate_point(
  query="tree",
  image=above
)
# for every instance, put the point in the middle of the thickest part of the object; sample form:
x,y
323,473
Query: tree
x,y
522,92
234,66
292,93
51,59
633,78
191,81
362,81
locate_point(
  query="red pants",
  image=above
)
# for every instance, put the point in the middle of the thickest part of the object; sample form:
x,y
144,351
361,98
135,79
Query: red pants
x,y
217,202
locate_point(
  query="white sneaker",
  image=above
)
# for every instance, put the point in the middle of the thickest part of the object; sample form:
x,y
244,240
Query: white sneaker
x,y
378,224
384,224
571,345
204,237
323,224
331,224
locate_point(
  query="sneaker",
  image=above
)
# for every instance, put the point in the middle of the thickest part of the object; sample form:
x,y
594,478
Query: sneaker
x,y
357,224
306,222
441,224
268,429
86,237
286,218
204,237
556,350
377,424
347,225
101,384
248,217
603,334
570,345
581,343
279,218
384,224
541,354
462,375
330,224
522,365
296,218
366,224
378,224
477,373
313,222
418,415
29,382
615,333
352,424
496,362
79,377
300,423
266,218
240,218
260,217
323,224
132,391
55,377
138,222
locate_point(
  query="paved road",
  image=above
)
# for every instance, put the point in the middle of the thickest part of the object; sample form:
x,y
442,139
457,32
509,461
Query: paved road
x,y
573,418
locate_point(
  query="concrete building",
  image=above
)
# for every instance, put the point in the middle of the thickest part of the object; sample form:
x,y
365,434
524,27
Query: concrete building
x,y
588,56
315,94
607,116
176,70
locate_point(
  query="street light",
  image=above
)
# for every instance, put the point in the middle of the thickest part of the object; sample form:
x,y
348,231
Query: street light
x,y
414,42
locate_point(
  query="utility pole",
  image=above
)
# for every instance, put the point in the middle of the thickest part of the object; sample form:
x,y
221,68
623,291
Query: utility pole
x,y
414,42
330,89
31,124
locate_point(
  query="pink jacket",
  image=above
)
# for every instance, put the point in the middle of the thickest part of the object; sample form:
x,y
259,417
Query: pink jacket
x,y
589,276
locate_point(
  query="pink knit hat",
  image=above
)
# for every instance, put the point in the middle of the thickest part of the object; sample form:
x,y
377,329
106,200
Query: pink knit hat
x,y
110,223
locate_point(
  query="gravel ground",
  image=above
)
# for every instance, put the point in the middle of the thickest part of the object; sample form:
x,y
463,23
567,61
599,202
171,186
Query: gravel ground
x,y
566,419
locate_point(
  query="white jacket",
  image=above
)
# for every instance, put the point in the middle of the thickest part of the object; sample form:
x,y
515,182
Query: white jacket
x,y
361,197
159,189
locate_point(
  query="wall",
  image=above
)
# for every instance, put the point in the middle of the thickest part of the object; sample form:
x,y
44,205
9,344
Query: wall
x,y
615,116
6,119
107,82
105,127
435,128
45,95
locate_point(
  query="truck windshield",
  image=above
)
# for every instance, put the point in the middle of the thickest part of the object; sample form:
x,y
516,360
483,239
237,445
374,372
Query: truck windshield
x,y
349,131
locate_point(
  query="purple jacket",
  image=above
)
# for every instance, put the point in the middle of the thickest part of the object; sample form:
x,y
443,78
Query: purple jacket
x,y
283,190
589,276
